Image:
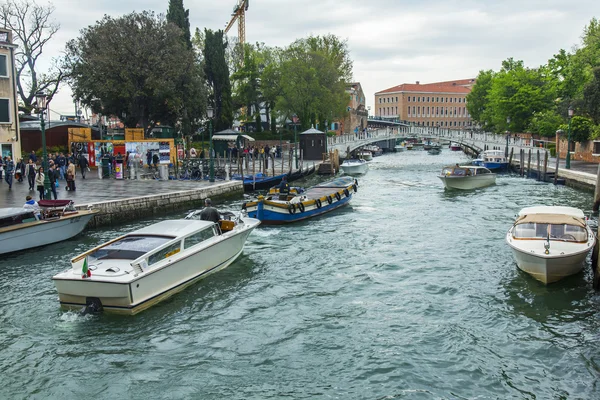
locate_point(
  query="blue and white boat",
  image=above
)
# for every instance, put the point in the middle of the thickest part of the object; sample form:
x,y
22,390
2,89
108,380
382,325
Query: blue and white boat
x,y
276,209
494,160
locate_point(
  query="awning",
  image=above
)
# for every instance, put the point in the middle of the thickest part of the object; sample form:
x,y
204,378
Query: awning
x,y
232,138
555,219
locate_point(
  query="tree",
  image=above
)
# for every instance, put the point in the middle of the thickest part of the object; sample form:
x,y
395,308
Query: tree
x,y
125,67
591,96
477,101
545,123
179,16
33,29
217,76
581,128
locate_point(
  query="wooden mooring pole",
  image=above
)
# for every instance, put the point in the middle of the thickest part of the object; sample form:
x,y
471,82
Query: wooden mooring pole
x,y
510,158
529,164
597,191
522,161
539,170
545,165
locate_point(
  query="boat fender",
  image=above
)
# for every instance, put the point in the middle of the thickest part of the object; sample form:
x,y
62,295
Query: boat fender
x,y
337,196
355,182
355,188
301,207
329,199
346,192
292,208
318,203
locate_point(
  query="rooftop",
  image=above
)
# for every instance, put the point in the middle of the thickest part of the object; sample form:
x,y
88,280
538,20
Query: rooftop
x,y
461,86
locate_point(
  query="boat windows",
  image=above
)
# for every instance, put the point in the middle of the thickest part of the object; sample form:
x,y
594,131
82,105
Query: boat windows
x,y
565,232
164,253
199,237
129,248
17,218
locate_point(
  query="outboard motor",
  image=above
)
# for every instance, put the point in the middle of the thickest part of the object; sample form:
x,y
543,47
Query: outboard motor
x,y
93,305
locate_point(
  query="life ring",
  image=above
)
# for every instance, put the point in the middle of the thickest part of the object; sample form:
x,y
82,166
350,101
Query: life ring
x,y
337,196
329,199
318,203
292,208
355,188
301,207
346,193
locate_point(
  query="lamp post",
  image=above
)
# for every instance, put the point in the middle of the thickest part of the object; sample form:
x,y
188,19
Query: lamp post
x,y
295,143
568,162
41,101
507,136
209,112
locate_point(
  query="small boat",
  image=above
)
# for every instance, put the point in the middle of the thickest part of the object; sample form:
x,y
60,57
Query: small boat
x,y
494,160
299,204
467,177
400,148
58,220
354,166
262,181
455,147
435,149
409,146
365,155
418,146
550,242
137,270
375,150
427,146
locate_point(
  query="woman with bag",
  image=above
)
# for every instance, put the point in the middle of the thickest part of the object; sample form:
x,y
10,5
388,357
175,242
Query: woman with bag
x,y
71,176
39,181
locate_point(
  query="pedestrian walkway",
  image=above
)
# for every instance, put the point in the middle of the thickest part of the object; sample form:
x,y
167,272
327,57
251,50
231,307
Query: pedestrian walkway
x,y
92,189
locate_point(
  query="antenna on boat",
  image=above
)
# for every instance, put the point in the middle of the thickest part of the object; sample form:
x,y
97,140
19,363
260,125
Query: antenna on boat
x,y
547,245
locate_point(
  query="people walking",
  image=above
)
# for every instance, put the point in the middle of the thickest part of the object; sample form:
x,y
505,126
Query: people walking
x,y
149,158
30,173
9,170
61,160
71,177
32,156
39,181
53,176
83,164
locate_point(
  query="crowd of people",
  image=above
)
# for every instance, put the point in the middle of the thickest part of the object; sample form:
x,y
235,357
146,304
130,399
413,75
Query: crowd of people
x,y
60,167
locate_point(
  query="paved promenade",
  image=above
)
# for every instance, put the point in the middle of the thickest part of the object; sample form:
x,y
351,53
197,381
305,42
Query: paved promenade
x,y
93,190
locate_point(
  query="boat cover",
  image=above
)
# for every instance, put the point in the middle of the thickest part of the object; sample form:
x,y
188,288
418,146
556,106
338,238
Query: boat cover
x,y
54,203
13,212
556,219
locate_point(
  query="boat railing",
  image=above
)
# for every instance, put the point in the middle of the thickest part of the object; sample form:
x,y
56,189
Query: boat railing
x,y
82,256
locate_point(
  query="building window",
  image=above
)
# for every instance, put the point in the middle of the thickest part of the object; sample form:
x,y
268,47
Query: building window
x,y
4,111
380,100
396,99
418,111
396,110
3,66
409,98
414,98
414,113
437,99
419,99
428,99
437,111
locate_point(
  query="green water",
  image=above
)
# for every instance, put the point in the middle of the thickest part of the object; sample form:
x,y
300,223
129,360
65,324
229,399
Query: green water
x,y
410,292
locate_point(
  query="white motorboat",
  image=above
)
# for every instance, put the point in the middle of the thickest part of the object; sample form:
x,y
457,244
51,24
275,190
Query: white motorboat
x,y
354,166
139,269
467,177
57,220
399,148
365,155
550,242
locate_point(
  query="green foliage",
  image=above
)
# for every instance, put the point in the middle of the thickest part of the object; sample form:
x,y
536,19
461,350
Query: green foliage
x,y
179,16
217,76
545,123
124,66
591,99
477,102
581,129
595,133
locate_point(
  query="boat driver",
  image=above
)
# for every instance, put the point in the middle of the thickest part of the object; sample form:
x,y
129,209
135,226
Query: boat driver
x,y
284,188
31,204
209,213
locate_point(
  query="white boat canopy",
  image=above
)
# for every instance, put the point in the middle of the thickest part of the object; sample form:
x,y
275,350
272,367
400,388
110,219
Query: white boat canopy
x,y
552,216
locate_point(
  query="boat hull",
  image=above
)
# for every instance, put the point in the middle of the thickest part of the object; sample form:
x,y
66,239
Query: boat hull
x,y
44,232
154,286
365,155
495,166
468,182
355,169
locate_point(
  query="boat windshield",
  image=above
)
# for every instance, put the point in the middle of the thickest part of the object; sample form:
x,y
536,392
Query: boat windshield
x,y
129,248
565,232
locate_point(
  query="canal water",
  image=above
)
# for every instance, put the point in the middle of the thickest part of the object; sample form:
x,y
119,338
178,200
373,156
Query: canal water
x,y
410,292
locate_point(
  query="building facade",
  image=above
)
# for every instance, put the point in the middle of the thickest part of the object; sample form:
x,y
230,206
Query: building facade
x,y
356,118
439,104
10,141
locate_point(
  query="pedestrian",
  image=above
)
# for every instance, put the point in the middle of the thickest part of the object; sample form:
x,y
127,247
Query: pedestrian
x,y
126,166
1,168
149,158
30,173
39,181
61,161
32,156
71,177
193,153
83,164
53,176
9,167
155,160
20,170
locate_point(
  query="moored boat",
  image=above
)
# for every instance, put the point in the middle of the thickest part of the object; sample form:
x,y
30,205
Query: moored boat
x,y
354,166
299,205
467,177
57,220
494,160
550,242
365,155
137,270
455,146
435,149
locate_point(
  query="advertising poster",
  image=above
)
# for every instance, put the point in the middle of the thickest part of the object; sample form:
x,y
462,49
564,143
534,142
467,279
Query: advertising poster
x,y
142,148
91,153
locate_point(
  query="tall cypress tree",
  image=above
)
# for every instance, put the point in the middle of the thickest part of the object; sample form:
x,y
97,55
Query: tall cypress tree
x,y
179,16
217,76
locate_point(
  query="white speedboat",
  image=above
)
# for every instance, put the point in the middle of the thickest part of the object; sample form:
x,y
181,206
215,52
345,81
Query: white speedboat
x,y
467,177
58,220
365,155
354,166
139,269
550,242
399,148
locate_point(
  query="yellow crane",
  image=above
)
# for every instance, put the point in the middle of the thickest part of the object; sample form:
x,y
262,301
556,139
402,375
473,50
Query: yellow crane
x,y
239,13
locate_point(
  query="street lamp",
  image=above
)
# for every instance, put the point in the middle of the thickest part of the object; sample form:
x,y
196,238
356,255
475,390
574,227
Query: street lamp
x,y
507,136
209,112
295,141
41,101
568,162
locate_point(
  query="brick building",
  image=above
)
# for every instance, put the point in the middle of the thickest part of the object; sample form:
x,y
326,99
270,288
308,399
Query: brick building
x,y
440,104
357,112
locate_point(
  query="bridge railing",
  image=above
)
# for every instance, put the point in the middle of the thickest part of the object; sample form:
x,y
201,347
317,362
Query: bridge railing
x,y
388,133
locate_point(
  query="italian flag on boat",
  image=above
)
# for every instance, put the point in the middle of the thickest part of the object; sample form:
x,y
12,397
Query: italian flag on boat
x,y
85,272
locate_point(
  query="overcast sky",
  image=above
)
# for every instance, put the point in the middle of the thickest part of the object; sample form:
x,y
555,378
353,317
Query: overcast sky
x,y
391,41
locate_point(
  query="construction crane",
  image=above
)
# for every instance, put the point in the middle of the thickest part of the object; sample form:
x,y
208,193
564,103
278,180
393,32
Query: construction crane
x,y
239,13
